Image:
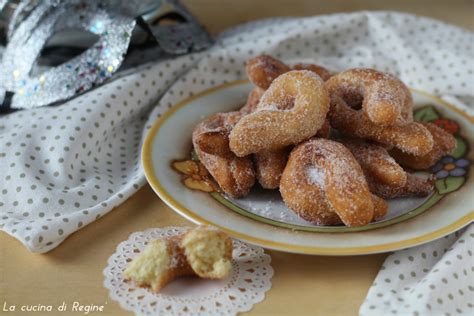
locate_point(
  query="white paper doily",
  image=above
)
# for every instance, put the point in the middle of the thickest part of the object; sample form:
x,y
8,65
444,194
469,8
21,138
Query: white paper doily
x,y
246,285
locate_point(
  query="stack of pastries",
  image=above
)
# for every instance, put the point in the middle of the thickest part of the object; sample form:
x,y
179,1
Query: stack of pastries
x,y
334,144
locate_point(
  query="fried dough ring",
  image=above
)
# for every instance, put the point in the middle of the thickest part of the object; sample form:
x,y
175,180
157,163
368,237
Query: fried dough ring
x,y
252,101
444,143
269,166
323,183
291,110
376,162
409,137
380,207
385,99
386,178
202,251
414,186
325,130
234,175
263,69
320,71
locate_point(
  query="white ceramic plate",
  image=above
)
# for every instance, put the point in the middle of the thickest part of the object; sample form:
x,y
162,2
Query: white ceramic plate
x,y
410,222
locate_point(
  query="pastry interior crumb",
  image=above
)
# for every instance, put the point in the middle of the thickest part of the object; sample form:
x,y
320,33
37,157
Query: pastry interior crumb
x,y
206,252
148,268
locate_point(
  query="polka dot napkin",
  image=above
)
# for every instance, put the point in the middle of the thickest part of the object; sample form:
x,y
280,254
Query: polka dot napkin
x,y
66,166
433,279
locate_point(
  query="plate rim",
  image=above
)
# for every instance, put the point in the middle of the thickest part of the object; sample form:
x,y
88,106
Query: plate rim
x,y
146,155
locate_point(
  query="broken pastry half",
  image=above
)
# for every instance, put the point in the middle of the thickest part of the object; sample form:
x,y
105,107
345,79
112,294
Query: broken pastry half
x,y
202,251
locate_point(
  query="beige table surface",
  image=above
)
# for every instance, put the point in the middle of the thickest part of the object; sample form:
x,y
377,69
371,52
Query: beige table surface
x,y
302,285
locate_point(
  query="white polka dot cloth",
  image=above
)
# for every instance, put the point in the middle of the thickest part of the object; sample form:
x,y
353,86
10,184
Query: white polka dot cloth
x,y
433,279
65,166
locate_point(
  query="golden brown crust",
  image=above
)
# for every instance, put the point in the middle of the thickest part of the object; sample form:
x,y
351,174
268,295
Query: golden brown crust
x,y
385,100
409,137
444,143
380,208
376,162
263,69
252,101
325,130
322,182
269,166
234,175
319,70
414,186
291,110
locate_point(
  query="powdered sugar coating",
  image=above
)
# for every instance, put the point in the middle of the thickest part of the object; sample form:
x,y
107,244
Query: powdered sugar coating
x,y
235,175
376,162
269,166
263,69
303,95
385,100
344,196
444,143
316,176
409,137
414,186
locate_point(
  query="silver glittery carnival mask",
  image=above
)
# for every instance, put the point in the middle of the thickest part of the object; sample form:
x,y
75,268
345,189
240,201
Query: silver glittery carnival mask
x,y
34,22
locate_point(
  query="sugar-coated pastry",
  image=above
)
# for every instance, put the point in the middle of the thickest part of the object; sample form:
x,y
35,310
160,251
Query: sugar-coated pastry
x,y
414,186
443,144
376,162
380,207
409,137
269,166
325,130
234,175
291,110
384,99
252,101
386,178
323,183
321,71
202,251
263,69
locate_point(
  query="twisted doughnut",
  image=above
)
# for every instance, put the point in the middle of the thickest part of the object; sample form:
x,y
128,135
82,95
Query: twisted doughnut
x,y
414,186
444,143
324,184
385,100
269,166
320,71
291,110
252,101
376,162
234,175
263,69
386,178
409,137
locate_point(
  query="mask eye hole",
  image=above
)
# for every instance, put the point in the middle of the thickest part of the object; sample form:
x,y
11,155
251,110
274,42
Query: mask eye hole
x,y
171,18
63,46
167,15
